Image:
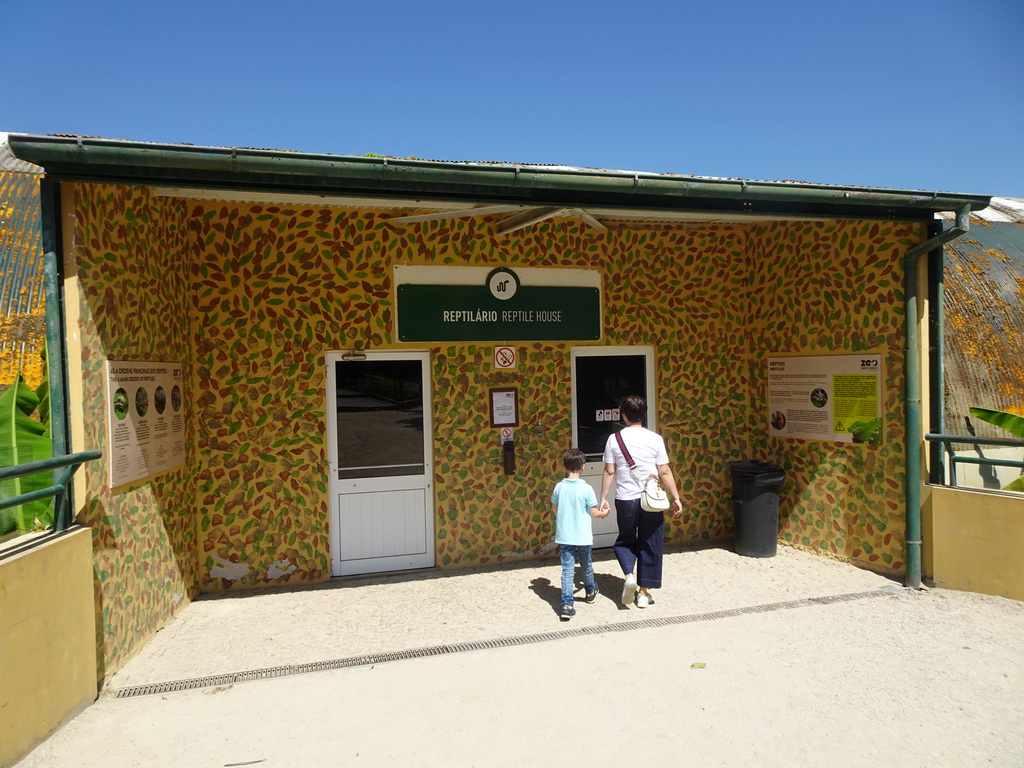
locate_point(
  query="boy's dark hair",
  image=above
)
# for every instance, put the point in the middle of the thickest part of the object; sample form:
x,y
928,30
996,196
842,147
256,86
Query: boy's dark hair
x,y
634,408
574,459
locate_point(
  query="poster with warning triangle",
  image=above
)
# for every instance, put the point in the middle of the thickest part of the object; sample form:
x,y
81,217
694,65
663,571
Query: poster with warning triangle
x,y
826,397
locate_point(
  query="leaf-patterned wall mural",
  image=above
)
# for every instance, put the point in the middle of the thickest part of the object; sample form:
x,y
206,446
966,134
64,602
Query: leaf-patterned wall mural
x,y
128,253
837,287
250,297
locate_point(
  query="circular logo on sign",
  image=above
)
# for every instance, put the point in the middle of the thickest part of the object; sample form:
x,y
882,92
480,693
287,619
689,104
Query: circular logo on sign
x,y
503,283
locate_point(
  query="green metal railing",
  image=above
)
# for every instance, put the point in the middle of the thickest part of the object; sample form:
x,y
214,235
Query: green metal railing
x,y
58,491
1001,442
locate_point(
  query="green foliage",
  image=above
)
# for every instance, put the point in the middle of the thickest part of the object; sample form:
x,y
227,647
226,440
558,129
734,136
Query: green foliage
x,y
23,439
1011,423
870,432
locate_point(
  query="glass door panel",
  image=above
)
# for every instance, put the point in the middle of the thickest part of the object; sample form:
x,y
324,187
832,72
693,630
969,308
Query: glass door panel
x,y
601,377
380,418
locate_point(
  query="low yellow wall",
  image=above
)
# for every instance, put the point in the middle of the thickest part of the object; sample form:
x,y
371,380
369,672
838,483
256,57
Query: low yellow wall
x,y
974,541
47,640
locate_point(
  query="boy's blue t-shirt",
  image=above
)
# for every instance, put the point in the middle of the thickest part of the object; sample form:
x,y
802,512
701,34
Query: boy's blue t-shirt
x,y
573,522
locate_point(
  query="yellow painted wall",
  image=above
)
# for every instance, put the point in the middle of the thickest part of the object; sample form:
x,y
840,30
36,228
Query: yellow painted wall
x,y
973,541
47,640
250,297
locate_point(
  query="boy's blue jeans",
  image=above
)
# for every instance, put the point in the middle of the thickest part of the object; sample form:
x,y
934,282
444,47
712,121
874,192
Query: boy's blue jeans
x,y
570,552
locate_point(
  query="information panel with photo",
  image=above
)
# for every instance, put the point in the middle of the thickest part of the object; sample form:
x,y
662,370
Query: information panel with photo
x,y
146,419
827,397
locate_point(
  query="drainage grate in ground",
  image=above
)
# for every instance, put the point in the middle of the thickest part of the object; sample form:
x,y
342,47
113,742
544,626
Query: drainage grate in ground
x,y
212,681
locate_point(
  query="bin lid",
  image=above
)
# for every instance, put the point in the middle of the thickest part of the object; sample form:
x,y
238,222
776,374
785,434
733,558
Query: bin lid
x,y
753,468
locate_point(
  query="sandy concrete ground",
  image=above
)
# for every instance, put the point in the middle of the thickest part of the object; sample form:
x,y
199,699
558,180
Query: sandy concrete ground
x,y
886,677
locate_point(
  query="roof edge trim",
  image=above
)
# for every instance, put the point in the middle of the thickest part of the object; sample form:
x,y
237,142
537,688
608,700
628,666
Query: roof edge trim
x,y
147,163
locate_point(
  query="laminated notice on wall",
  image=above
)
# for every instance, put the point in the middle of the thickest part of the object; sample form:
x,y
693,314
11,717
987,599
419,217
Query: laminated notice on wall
x,y
145,421
828,397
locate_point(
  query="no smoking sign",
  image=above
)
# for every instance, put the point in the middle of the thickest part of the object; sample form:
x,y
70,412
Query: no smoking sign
x,y
504,357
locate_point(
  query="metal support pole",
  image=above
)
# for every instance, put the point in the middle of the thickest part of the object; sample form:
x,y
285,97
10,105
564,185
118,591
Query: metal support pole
x,y
937,357
56,352
912,392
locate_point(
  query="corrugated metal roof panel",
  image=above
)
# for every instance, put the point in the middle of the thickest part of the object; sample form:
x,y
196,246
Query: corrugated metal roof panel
x,y
1000,210
20,242
8,162
984,297
22,291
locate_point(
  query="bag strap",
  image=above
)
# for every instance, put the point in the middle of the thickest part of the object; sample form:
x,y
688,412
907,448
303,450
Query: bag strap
x,y
625,451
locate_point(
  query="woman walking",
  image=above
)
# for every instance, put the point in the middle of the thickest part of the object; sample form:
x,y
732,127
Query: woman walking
x,y
641,539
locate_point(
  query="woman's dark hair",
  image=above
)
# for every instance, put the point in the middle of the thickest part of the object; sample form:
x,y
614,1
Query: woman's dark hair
x,y
574,459
633,408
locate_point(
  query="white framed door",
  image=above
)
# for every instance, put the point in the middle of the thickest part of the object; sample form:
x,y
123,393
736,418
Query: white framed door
x,y
601,377
381,466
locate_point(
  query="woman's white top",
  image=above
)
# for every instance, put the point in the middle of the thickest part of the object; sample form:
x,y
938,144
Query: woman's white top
x,y
648,451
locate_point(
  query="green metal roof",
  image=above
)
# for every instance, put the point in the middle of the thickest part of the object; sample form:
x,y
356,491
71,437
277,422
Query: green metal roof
x,y
108,160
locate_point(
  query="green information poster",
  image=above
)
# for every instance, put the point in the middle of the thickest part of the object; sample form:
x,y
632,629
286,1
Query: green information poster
x,y
828,397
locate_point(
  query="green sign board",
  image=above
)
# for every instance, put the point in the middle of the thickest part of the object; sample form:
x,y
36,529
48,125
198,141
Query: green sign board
x,y
499,310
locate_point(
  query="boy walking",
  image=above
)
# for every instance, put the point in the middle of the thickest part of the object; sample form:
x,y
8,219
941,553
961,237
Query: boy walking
x,y
574,503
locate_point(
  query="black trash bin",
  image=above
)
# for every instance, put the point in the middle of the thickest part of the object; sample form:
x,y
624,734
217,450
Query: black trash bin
x,y
755,503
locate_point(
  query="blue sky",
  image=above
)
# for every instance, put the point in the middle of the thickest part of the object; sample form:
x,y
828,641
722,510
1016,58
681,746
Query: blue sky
x,y
913,94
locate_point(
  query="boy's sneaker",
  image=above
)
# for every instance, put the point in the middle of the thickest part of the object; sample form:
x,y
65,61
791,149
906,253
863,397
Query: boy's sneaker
x,y
567,612
642,600
591,596
629,589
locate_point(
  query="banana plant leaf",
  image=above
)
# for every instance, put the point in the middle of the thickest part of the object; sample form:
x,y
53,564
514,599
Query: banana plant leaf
x,y
23,439
1011,423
